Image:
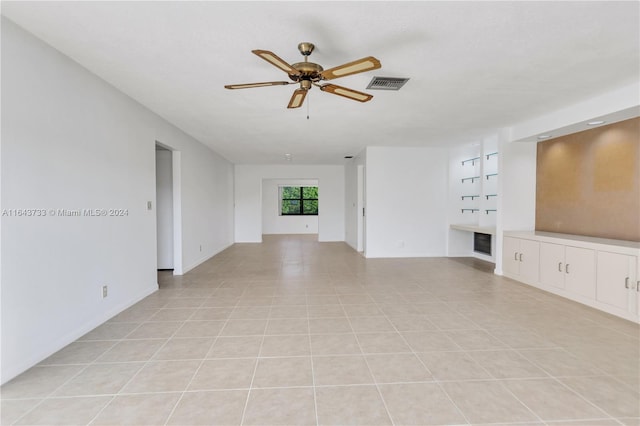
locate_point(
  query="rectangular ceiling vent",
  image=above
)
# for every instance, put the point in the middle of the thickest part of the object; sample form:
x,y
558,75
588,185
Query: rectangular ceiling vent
x,y
386,83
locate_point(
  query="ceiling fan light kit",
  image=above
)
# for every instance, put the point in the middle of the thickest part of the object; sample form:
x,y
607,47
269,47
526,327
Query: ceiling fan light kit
x,y
309,74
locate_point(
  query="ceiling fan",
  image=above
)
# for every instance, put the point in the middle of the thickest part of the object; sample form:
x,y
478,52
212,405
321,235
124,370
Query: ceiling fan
x,y
309,74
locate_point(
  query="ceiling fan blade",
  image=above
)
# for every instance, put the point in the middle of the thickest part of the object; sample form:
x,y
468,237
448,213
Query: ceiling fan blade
x,y
297,99
347,93
250,85
274,59
361,65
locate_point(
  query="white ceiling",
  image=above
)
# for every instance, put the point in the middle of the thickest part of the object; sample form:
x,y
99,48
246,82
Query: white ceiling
x,y
474,66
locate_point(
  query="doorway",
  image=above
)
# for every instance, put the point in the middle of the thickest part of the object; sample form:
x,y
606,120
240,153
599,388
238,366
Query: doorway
x,y
164,208
361,210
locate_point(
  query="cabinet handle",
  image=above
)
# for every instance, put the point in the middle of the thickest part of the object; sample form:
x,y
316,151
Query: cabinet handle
x,y
515,256
559,266
520,257
637,285
626,282
566,268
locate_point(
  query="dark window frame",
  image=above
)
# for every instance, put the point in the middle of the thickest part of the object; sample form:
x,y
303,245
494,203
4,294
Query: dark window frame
x,y
301,199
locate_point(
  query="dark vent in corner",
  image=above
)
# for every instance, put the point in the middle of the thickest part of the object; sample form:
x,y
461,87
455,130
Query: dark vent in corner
x,y
386,83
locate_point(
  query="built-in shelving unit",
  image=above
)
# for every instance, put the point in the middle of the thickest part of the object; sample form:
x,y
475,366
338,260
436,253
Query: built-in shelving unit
x,y
473,187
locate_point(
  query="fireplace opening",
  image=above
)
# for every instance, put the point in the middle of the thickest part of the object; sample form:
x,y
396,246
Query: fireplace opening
x,y
482,243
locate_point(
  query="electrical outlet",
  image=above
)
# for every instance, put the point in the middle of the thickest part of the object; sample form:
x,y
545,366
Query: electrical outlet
x,y
149,205
200,247
105,291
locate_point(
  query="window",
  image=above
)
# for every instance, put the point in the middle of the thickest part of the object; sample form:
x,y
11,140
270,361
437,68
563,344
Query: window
x,y
298,200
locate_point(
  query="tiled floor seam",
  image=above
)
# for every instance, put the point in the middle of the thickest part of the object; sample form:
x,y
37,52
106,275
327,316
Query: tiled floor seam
x,y
253,376
464,416
48,396
144,364
593,404
384,403
555,378
313,373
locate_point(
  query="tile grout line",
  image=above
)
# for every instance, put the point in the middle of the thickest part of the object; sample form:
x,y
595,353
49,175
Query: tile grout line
x,y
427,368
144,365
197,370
87,367
50,395
313,373
255,369
375,381
550,376
555,379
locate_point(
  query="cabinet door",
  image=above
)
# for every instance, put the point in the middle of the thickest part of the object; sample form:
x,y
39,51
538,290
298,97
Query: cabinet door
x,y
529,258
510,250
613,277
552,265
580,271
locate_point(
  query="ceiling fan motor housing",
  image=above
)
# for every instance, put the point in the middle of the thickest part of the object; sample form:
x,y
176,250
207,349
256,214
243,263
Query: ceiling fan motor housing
x,y
309,71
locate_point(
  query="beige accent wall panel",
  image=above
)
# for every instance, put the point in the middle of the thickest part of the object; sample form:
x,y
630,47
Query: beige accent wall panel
x,y
588,183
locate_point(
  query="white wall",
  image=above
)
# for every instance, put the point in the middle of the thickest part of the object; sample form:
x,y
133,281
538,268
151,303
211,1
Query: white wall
x,y
517,188
272,221
353,202
248,198
72,141
206,200
406,198
164,209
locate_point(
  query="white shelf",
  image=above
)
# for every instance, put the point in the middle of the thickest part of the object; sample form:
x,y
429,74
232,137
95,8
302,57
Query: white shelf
x,y
474,228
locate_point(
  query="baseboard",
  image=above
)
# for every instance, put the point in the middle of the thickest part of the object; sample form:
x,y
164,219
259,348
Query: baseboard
x,y
403,255
74,335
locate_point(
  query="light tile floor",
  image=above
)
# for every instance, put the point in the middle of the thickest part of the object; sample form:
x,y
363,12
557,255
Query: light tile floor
x,y
292,331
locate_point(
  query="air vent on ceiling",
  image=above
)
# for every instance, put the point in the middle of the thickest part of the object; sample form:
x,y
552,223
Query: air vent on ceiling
x,y
386,83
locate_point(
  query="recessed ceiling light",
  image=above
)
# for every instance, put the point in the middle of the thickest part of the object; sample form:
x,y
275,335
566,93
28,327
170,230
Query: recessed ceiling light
x,y
544,136
596,122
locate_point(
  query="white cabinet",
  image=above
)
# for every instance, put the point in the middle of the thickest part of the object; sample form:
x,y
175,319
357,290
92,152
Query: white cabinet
x,y
510,249
520,259
580,271
617,282
569,268
601,273
552,265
